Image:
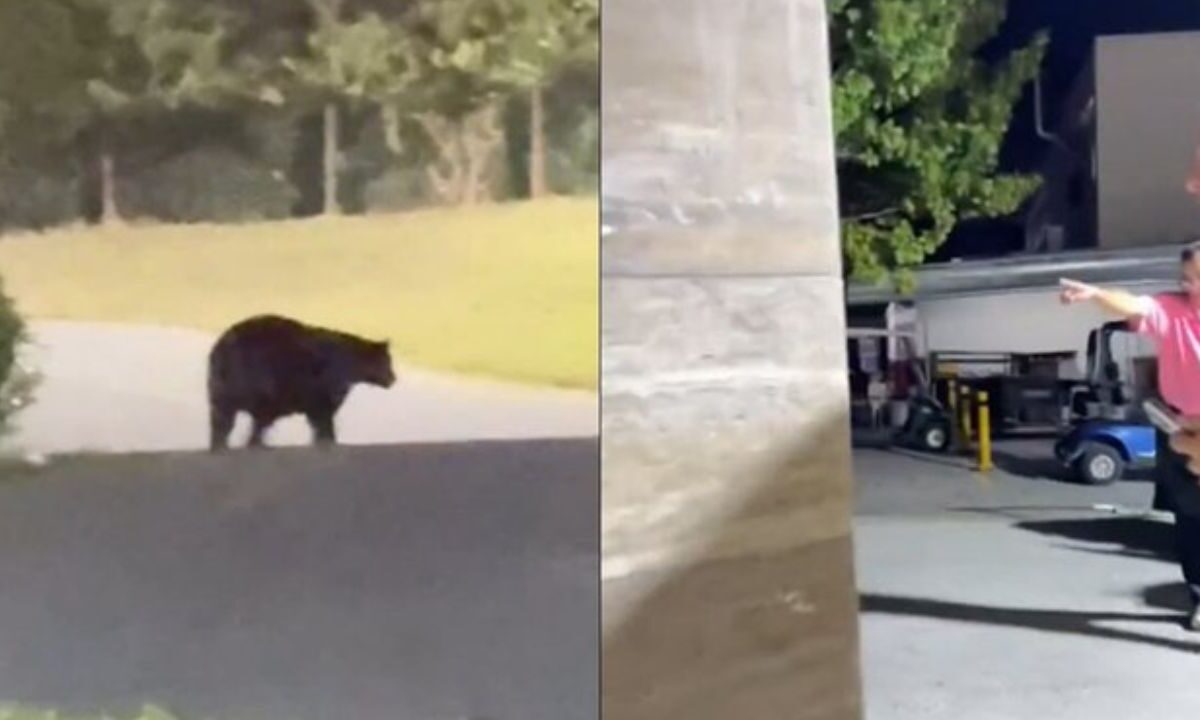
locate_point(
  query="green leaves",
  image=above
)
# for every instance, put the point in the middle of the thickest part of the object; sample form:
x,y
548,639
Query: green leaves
x,y
919,121
518,44
111,84
158,55
364,59
103,60
38,34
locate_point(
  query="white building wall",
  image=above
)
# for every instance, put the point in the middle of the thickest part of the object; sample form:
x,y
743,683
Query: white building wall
x,y
1148,123
1026,322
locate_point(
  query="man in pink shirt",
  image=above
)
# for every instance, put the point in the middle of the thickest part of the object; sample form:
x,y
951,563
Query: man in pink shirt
x,y
1172,320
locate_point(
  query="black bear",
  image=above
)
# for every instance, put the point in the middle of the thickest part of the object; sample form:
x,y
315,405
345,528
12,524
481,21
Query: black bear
x,y
271,367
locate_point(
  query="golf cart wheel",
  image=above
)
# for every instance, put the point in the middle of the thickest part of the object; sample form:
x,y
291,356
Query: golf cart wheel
x,y
935,437
1100,464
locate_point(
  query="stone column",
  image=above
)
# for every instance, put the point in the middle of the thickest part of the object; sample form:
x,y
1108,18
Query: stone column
x,y
728,584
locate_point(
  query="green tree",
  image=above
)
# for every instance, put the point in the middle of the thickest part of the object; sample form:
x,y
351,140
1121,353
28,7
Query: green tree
x,y
38,94
544,37
466,56
350,59
40,73
137,60
919,118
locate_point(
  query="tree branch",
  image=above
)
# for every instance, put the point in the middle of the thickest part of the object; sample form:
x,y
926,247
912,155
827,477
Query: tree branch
x,y
445,173
874,215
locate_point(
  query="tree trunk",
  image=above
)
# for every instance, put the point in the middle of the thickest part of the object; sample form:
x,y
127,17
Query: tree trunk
x,y
110,213
330,184
460,173
481,136
445,171
537,144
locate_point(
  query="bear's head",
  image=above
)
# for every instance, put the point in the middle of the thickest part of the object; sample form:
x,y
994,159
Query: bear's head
x,y
376,367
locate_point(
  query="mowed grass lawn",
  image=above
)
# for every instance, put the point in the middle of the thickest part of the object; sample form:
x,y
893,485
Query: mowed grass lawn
x,y
508,291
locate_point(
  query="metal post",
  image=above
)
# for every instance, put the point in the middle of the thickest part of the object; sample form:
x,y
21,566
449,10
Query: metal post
x,y
964,405
985,432
955,425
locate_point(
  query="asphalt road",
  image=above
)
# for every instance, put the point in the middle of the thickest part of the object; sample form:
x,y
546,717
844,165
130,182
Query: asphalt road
x,y
420,582
900,482
137,388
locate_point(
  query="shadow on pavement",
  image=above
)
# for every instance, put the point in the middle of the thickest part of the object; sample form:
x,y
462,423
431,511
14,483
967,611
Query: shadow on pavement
x,y
957,462
1032,468
1169,596
1134,536
1049,468
1056,621
1020,512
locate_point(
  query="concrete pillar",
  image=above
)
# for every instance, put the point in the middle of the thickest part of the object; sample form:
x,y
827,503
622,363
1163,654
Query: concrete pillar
x,y
728,584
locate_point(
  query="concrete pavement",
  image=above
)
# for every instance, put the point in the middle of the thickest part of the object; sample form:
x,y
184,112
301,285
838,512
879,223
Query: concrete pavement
x,y
900,482
1011,597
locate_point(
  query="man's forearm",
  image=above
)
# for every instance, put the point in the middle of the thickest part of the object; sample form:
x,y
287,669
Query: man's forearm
x,y
1120,303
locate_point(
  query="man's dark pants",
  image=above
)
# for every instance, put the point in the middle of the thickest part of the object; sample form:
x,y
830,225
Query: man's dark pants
x,y
1178,491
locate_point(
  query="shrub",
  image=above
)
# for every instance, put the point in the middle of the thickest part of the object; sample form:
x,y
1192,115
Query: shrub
x,y
209,184
31,197
397,190
16,381
574,160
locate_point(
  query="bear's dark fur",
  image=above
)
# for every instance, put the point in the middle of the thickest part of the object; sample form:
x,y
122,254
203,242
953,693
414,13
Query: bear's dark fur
x,y
270,367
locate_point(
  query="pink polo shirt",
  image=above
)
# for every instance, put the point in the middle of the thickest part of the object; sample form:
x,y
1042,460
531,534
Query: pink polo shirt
x,y
1174,325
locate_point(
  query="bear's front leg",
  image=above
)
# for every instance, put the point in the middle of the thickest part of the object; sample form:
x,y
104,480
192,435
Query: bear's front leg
x,y
321,422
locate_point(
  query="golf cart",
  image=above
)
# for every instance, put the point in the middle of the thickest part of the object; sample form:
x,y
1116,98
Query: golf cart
x,y
1109,434
927,426
919,421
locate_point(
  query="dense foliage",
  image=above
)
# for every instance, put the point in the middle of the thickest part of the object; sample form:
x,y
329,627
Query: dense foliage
x,y
118,108
919,119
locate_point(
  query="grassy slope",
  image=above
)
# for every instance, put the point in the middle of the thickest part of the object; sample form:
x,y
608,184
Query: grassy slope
x,y
508,291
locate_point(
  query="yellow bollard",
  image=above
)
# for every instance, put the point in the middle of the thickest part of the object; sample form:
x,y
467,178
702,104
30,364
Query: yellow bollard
x,y
964,406
985,432
955,424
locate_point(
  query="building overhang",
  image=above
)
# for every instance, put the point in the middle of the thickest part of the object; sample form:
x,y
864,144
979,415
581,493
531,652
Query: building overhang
x,y
1150,266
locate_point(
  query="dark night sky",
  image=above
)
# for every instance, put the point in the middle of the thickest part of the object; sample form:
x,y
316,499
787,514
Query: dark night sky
x,y
1073,26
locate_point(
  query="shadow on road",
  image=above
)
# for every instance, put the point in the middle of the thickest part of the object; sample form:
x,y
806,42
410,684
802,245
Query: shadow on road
x,y
942,460
1169,596
1032,468
1020,512
1132,536
1047,467
1137,537
1056,621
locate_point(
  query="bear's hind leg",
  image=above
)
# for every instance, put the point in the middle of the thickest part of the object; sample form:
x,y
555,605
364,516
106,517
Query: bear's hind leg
x,y
258,431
